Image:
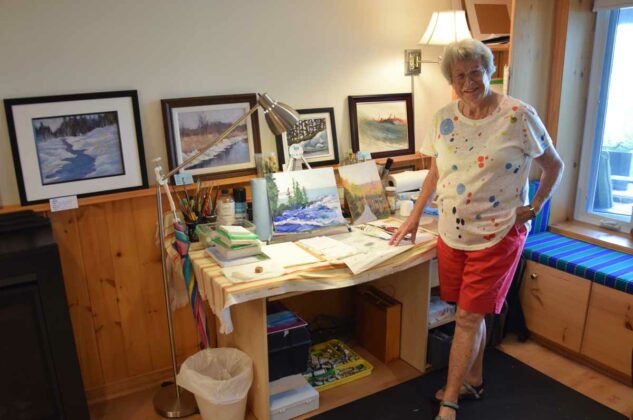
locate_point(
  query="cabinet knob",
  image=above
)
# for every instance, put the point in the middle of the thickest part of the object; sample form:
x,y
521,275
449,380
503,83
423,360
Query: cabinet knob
x,y
533,276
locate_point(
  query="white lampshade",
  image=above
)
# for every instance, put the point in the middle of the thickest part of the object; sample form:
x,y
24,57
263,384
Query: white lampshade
x,y
446,27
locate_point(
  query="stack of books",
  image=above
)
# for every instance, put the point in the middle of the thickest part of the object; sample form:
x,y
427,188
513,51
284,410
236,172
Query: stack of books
x,y
234,245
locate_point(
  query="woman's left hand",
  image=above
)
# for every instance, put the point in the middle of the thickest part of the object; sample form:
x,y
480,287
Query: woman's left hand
x,y
523,214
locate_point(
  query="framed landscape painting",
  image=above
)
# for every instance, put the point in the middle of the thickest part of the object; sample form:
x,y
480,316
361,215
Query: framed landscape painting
x,y
315,134
382,124
84,144
191,123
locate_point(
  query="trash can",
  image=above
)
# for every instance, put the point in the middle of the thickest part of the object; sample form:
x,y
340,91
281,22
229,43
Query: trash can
x,y
219,379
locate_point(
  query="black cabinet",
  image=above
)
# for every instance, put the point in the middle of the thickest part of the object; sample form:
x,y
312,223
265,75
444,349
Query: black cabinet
x,y
38,362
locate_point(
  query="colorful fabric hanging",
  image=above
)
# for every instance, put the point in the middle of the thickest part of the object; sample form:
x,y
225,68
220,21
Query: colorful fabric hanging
x,y
181,244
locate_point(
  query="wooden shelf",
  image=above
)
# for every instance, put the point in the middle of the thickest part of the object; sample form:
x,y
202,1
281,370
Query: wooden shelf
x,y
127,195
619,241
499,47
383,376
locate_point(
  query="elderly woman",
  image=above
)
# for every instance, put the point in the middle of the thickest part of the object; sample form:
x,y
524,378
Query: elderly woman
x,y
482,147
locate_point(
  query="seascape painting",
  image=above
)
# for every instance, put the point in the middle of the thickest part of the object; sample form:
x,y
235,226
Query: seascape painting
x,y
78,147
382,126
364,193
198,128
302,201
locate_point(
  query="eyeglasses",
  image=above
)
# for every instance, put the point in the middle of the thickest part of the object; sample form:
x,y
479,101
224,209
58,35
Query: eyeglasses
x,y
475,74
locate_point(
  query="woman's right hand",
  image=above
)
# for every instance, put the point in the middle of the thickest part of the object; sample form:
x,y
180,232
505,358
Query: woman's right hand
x,y
409,226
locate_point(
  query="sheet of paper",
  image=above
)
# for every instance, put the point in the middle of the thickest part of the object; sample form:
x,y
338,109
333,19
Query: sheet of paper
x,y
330,248
373,251
288,254
251,272
63,203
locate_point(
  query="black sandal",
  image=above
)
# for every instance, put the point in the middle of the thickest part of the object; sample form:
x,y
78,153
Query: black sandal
x,y
449,404
473,393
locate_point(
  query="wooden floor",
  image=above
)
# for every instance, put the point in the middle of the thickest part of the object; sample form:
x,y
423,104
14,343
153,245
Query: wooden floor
x,y
585,380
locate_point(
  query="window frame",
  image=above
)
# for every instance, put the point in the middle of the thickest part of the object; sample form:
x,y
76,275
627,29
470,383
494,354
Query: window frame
x,y
604,38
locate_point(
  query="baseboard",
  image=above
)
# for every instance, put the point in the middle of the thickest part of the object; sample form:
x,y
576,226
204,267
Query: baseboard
x,y
594,364
128,386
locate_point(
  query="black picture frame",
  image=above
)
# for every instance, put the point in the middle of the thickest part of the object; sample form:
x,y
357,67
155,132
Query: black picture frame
x,y
375,118
325,128
223,110
79,144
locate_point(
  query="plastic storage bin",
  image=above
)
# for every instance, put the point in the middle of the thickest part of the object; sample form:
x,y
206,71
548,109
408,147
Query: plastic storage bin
x,y
439,347
293,403
288,343
219,379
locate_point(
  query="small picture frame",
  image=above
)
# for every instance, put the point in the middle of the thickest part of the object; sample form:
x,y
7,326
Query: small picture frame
x,y
315,134
382,124
489,20
82,144
191,123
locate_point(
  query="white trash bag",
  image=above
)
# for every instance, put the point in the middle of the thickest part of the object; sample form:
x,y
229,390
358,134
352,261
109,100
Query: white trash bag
x,y
219,379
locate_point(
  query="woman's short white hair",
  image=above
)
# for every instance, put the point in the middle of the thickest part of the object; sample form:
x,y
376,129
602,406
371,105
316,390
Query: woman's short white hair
x,y
467,49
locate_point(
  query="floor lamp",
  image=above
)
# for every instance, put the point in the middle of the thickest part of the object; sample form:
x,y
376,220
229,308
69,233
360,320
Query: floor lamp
x,y
172,401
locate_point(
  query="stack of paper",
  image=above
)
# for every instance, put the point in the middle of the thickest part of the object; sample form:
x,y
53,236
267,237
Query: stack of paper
x,y
289,254
234,242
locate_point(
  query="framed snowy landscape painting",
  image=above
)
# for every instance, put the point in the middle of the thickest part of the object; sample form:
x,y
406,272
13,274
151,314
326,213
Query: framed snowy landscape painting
x,y
84,144
191,123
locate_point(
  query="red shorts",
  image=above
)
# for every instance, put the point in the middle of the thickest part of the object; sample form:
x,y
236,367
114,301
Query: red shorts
x,y
478,281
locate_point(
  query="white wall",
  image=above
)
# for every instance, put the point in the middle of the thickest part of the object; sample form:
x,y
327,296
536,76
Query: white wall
x,y
307,53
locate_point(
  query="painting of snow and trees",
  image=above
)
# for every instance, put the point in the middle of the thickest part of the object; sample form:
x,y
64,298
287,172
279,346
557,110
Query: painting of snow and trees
x,y
311,134
315,134
364,193
78,147
382,126
301,201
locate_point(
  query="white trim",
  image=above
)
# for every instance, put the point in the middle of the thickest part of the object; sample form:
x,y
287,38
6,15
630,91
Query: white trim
x,y
599,5
586,156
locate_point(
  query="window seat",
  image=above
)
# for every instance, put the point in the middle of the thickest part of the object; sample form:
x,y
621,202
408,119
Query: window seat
x,y
604,266
576,293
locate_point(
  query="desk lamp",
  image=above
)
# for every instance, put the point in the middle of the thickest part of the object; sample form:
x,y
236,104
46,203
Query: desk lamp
x,y
171,401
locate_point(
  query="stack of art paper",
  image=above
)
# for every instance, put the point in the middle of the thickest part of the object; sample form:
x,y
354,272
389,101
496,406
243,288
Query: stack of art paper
x,y
364,193
302,201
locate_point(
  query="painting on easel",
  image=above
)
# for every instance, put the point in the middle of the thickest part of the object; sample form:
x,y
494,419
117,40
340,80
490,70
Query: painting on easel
x,y
301,201
364,193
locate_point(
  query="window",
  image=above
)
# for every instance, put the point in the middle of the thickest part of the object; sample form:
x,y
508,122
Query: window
x,y
605,185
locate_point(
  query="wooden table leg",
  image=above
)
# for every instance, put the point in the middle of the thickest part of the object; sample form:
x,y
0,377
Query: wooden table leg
x,y
249,335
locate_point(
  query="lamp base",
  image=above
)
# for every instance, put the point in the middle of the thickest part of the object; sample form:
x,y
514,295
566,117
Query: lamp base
x,y
167,403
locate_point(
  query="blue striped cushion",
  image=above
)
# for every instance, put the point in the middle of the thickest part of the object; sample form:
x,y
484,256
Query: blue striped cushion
x,y
540,222
604,266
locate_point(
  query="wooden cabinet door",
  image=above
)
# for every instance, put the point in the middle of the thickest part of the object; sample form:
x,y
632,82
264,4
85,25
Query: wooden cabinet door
x,y
609,329
555,304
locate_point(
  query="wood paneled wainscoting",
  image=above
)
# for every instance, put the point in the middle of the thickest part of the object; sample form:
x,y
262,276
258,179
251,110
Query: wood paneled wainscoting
x,y
112,275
